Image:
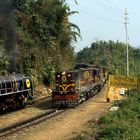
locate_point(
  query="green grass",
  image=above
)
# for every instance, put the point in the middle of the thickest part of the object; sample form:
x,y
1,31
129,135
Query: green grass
x,y
123,124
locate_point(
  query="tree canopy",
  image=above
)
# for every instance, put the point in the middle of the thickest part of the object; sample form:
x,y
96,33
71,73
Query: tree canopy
x,y
44,38
112,55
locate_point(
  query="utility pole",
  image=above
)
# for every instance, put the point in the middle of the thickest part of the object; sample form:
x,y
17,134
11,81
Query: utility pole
x,y
127,51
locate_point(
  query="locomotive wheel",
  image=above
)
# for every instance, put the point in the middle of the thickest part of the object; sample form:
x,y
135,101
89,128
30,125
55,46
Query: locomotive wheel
x,y
77,101
22,101
99,88
14,106
3,107
25,100
96,90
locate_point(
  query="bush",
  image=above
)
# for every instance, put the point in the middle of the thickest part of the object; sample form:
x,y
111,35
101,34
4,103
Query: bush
x,y
124,123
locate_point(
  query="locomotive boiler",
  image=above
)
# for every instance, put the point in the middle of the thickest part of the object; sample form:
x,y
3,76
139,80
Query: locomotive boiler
x,y
75,86
15,91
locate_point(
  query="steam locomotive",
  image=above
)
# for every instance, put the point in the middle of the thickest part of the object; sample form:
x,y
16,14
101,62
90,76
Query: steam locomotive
x,y
77,85
15,91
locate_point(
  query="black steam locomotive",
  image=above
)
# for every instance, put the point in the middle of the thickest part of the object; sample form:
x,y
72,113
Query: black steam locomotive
x,y
15,91
77,85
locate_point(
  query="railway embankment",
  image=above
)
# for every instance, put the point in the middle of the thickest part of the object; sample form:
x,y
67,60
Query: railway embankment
x,y
123,123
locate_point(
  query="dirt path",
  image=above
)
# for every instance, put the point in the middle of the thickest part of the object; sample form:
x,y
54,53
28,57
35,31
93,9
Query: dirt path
x,y
66,125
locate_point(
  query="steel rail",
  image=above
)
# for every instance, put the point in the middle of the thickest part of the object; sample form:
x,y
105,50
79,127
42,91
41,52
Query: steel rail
x,y
4,132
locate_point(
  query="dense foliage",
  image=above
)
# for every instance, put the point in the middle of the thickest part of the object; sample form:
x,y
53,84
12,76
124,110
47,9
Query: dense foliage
x,y
124,123
112,55
44,38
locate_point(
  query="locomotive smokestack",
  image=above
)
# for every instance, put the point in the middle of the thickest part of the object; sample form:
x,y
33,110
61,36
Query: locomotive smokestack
x,y
7,18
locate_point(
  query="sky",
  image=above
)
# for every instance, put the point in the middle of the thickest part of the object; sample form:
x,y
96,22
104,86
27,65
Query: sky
x,y
104,20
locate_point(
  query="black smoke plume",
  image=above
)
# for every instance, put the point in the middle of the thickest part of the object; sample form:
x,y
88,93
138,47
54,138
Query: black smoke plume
x,y
7,19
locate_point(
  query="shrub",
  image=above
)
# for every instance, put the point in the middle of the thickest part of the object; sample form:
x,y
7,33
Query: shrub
x,y
124,123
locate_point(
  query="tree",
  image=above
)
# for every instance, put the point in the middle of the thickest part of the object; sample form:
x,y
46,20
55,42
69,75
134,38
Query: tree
x,y
112,55
45,37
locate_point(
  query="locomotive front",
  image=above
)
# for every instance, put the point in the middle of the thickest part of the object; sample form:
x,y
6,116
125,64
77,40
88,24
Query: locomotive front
x,y
15,91
65,92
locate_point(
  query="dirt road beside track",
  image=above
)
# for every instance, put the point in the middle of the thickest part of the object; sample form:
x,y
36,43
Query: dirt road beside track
x,y
68,124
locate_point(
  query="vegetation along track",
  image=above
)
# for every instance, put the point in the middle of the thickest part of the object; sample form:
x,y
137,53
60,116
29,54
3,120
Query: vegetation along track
x,y
29,122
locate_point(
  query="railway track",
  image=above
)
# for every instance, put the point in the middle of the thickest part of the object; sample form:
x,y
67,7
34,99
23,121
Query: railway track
x,y
4,132
37,101
12,129
7,131
32,103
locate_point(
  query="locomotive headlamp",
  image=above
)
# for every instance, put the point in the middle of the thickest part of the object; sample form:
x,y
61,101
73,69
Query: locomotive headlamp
x,y
28,84
63,73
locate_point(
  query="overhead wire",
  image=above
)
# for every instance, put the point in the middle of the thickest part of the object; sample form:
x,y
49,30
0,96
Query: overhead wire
x,y
115,6
95,14
106,7
101,17
108,4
